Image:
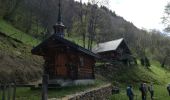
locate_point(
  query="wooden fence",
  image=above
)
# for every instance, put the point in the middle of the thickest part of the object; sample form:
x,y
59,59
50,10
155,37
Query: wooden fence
x,y
8,91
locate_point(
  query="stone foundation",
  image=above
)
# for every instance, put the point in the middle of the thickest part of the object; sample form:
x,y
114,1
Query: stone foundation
x,y
101,93
62,82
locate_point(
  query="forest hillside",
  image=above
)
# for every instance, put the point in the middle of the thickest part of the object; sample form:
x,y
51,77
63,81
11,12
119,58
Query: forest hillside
x,y
30,21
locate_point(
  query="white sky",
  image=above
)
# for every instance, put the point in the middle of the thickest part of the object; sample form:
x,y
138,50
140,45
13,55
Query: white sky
x,y
142,13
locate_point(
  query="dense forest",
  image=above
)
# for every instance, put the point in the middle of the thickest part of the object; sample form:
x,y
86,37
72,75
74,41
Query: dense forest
x,y
89,22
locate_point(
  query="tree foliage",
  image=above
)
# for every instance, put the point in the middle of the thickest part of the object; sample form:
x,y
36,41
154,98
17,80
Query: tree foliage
x,y
166,17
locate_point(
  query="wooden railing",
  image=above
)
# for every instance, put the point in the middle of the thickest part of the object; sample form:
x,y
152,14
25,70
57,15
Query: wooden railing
x,y
8,91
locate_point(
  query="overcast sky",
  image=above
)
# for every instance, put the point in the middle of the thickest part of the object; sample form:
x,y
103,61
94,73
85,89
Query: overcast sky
x,y
142,13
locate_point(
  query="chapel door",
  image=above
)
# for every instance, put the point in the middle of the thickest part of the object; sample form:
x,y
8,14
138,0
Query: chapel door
x,y
60,66
72,67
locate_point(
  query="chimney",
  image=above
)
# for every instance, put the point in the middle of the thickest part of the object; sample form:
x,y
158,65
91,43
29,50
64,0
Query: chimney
x,y
59,26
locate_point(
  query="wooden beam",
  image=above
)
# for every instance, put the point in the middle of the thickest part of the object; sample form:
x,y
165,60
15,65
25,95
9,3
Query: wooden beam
x,y
45,87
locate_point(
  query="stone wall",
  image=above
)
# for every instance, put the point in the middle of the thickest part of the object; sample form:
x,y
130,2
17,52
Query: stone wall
x,y
101,93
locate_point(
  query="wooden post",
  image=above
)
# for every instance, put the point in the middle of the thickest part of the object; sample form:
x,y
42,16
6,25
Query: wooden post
x,y
0,89
45,87
9,91
14,91
3,93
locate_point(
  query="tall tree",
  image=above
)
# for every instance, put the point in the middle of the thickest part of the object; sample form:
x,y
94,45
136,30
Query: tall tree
x,y
82,24
93,20
166,17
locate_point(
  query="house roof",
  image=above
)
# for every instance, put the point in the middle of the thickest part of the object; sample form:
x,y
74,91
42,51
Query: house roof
x,y
39,50
107,46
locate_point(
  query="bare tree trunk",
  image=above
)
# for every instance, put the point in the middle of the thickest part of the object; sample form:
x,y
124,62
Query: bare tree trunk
x,y
9,91
14,91
4,92
11,6
29,22
82,26
90,31
92,26
89,39
163,62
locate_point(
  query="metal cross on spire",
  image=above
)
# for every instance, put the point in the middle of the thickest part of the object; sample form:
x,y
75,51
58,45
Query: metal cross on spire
x,y
59,12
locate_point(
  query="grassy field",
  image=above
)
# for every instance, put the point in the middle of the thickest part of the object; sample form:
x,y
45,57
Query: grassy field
x,y
163,77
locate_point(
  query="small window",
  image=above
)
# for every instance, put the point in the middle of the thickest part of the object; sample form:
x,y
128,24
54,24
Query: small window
x,y
81,61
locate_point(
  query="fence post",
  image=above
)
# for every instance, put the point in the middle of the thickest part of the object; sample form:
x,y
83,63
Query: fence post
x,y
45,87
0,89
9,91
3,93
14,91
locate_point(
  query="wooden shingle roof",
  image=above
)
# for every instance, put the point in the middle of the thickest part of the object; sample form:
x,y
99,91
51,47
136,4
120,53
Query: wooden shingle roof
x,y
42,47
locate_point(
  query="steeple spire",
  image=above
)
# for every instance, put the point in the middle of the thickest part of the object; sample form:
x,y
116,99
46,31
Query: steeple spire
x,y
59,26
59,12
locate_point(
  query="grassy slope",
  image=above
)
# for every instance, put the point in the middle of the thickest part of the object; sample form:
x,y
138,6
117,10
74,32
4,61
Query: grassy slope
x,y
16,60
160,75
9,30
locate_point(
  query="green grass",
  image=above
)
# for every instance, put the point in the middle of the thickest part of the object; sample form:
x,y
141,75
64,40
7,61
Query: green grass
x,y
29,94
35,94
9,30
134,74
159,74
160,94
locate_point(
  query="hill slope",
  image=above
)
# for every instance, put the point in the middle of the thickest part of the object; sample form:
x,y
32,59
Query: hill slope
x,y
16,61
11,31
122,76
155,74
15,45
118,72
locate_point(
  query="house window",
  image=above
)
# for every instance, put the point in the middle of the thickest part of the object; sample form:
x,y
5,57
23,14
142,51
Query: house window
x,y
81,61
